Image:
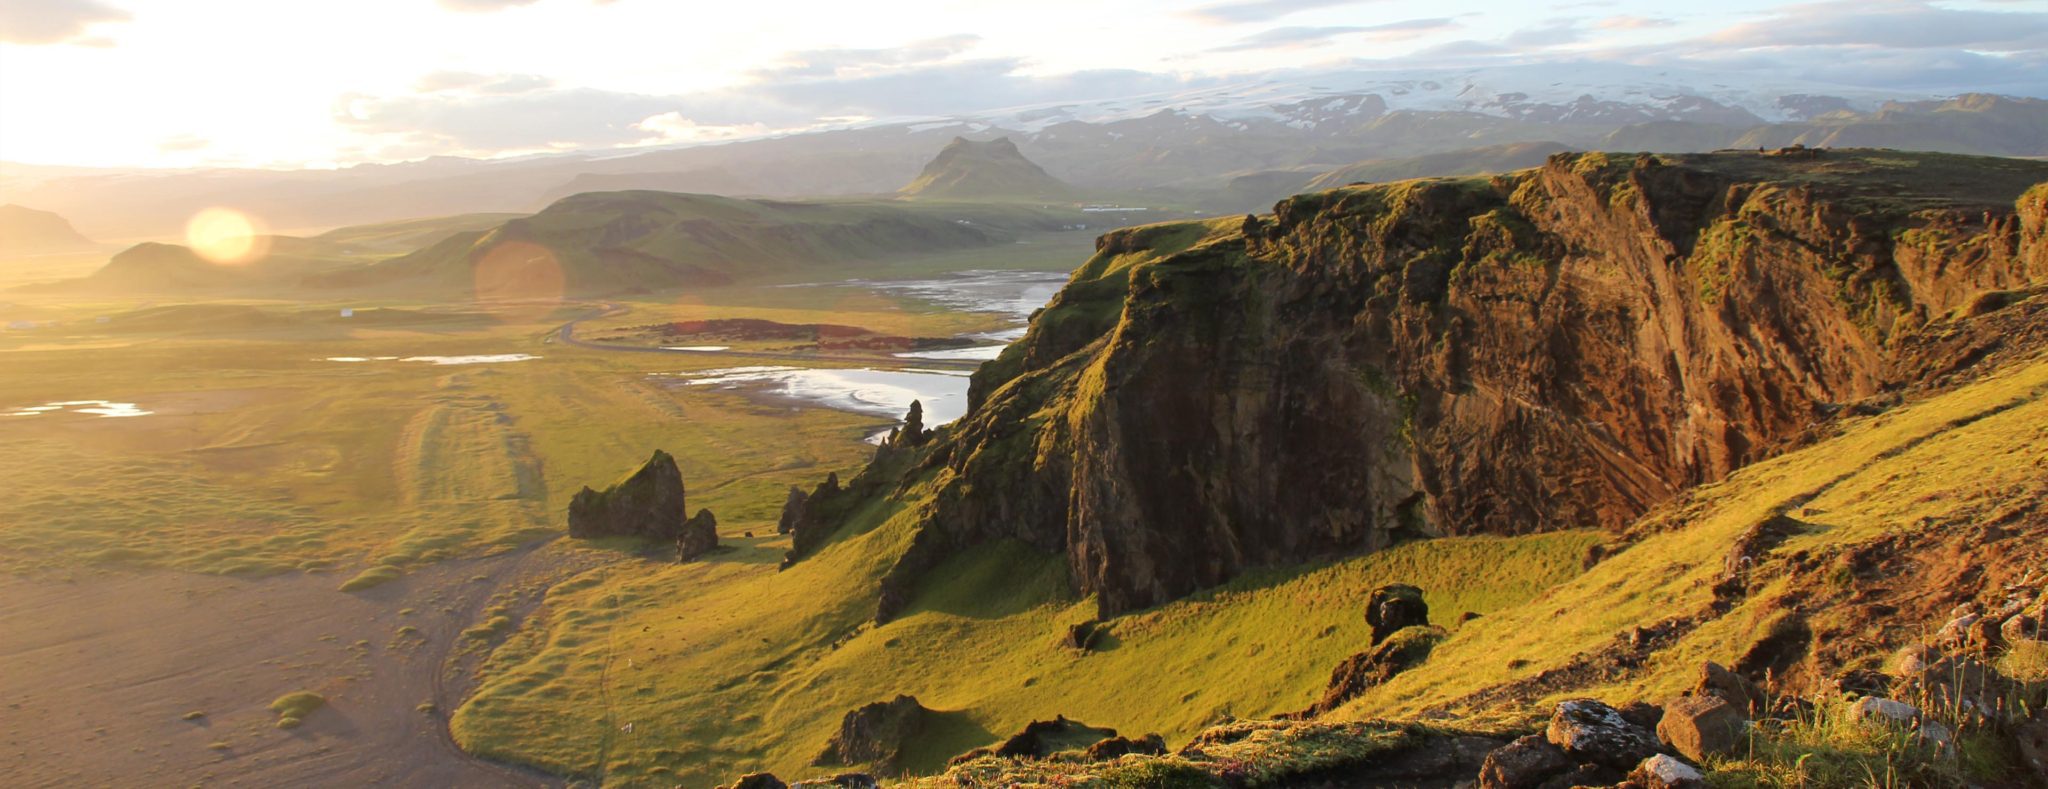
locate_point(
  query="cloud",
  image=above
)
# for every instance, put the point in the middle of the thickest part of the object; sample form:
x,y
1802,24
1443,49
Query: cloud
x,y
492,6
1304,37
454,115
502,84
39,22
482,6
1631,22
1243,11
1891,24
183,143
853,62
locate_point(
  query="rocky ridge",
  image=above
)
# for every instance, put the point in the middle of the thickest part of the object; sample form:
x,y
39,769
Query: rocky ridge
x,y
1559,347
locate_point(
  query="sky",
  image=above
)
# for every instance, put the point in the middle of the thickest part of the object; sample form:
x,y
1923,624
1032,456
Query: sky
x,y
323,83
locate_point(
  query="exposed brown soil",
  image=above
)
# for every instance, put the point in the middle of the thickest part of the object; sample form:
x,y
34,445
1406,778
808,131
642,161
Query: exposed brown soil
x,y
102,668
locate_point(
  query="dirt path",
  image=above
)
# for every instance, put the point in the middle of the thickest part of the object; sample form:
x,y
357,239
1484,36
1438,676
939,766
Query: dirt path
x,y
99,672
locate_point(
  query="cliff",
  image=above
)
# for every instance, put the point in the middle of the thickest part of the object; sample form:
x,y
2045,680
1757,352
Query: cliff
x,y
1559,347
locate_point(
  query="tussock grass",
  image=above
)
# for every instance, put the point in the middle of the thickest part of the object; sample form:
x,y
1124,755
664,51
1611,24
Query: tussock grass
x,y
297,704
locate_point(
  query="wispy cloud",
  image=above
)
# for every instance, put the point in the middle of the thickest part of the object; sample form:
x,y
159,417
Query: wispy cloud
x,y
41,22
500,84
1892,24
1304,37
1632,22
811,63
1245,11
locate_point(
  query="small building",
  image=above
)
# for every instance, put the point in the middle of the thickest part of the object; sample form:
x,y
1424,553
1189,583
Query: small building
x,y
348,312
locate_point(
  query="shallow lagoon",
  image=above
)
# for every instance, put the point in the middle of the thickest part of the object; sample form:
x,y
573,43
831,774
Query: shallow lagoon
x,y
100,408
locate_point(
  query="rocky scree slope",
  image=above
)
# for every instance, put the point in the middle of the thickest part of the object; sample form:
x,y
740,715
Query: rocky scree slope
x,y
1558,347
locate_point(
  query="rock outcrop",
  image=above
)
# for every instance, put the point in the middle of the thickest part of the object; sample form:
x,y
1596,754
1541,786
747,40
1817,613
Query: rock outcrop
x,y
1403,650
1698,727
698,537
1559,347
876,735
1393,608
1590,731
648,504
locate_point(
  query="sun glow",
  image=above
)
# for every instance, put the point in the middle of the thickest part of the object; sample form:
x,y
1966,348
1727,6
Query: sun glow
x,y
226,237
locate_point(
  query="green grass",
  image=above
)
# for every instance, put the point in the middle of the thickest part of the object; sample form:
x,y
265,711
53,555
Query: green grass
x,y
737,668
297,704
371,577
1927,463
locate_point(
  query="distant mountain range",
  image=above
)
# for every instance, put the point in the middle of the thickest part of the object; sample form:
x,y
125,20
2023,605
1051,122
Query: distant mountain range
x,y
1188,146
596,243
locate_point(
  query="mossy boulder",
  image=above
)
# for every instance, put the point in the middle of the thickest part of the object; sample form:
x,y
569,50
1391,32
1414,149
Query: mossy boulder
x,y
699,536
876,735
648,504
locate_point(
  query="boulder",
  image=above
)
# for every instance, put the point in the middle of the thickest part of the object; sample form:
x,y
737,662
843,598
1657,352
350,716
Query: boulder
x,y
1716,680
840,781
757,781
649,504
876,735
913,432
1664,772
1082,635
1590,731
792,509
1394,607
699,536
1937,736
1040,739
1403,650
816,519
1641,713
1114,747
1871,710
1523,764
1701,726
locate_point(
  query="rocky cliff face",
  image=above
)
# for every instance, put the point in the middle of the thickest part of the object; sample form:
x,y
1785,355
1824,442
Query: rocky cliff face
x,y
1554,348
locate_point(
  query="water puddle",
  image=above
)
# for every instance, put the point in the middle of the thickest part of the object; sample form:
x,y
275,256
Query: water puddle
x,y
881,393
1012,294
697,348
107,409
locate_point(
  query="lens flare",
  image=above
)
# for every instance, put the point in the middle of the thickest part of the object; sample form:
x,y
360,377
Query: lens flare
x,y
226,237
524,279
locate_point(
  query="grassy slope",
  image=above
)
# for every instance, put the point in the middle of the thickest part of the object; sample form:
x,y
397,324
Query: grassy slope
x,y
735,666
1884,474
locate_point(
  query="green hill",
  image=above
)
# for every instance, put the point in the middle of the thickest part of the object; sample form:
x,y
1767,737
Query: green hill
x,y
26,231
992,170
608,242
166,269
